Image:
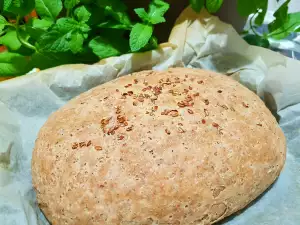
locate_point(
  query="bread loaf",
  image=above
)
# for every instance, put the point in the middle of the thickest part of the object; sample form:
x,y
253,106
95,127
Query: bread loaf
x,y
182,146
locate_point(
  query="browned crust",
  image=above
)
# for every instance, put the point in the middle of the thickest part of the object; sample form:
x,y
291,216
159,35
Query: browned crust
x,y
182,146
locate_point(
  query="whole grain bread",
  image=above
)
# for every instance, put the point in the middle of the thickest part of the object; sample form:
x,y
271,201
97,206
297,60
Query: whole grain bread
x,y
183,146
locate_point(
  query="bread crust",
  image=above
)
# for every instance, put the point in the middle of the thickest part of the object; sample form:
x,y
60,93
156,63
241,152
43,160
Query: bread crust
x,y
183,146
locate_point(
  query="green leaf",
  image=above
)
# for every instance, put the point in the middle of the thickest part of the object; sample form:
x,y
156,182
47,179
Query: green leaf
x,y
66,24
97,15
157,9
19,7
76,42
10,40
116,9
244,32
246,7
114,41
140,36
104,48
54,41
142,14
83,14
197,5
6,4
13,64
114,25
281,16
257,40
36,27
84,28
213,6
117,5
3,22
70,4
290,26
41,23
152,44
262,12
121,17
48,9
66,35
87,56
48,60
58,38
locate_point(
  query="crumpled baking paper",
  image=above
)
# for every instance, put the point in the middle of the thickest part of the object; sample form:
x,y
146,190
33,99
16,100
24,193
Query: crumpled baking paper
x,y
198,41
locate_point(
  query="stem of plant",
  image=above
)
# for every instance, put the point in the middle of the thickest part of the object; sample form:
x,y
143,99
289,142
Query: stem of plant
x,y
23,42
68,13
2,32
251,25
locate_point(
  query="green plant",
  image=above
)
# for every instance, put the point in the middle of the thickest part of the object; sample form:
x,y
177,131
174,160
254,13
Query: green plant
x,y
282,26
72,31
47,33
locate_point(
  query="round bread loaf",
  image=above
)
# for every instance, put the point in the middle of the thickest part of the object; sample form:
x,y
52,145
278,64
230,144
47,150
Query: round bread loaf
x,y
183,146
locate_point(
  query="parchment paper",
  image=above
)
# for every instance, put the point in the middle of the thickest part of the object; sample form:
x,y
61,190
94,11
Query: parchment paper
x,y
200,41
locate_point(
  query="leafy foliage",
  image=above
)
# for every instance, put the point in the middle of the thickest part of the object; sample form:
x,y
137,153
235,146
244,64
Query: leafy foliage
x,y
139,36
213,6
46,33
141,33
197,5
253,39
48,9
284,24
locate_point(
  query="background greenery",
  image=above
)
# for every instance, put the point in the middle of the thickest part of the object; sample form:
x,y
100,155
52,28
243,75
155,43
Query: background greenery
x,y
47,33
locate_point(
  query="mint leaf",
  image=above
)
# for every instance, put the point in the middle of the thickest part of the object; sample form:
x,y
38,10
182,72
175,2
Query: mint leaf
x,y
116,9
13,64
104,48
281,16
142,14
117,5
3,23
110,43
58,38
54,41
213,6
84,28
262,12
47,60
41,23
48,9
139,36
82,14
152,44
66,35
157,9
70,4
289,26
19,7
6,4
66,24
121,17
36,27
10,40
76,42
97,15
197,5
114,25
257,41
246,7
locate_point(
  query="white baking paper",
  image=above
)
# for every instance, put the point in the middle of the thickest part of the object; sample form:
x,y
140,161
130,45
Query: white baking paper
x,y
197,40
